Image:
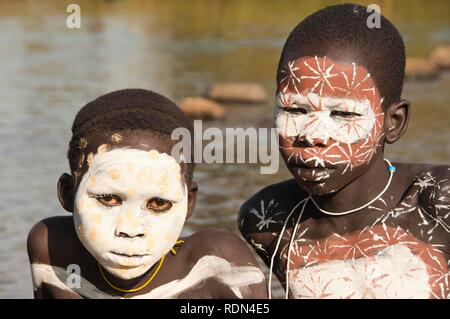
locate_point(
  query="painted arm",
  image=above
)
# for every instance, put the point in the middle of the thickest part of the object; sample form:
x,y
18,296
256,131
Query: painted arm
x,y
234,264
434,199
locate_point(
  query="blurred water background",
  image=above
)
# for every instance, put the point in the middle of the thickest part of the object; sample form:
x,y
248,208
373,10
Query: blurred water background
x,y
177,48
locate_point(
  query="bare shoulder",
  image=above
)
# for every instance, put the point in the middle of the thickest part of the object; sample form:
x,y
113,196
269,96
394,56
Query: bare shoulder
x,y
39,241
51,243
433,186
222,243
37,244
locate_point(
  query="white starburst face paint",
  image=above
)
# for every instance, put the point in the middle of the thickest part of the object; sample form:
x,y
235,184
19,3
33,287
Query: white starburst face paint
x,y
320,123
335,108
118,215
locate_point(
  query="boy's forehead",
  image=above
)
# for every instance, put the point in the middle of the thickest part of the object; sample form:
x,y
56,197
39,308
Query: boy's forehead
x,y
136,139
144,140
119,165
326,76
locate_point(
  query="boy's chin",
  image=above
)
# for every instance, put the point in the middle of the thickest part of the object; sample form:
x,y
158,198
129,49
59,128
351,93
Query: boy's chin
x,y
334,180
128,273
316,181
316,188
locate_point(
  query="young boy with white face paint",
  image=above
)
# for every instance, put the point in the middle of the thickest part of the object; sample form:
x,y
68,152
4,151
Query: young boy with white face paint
x,y
350,224
130,200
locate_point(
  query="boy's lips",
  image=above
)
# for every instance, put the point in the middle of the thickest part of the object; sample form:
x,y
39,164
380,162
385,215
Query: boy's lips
x,y
126,260
313,174
128,255
300,160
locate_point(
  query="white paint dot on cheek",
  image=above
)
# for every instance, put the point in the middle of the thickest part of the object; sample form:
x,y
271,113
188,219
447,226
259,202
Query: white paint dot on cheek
x,y
114,174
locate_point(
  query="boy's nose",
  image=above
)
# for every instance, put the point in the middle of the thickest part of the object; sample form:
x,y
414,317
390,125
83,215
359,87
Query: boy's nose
x,y
128,234
129,227
312,141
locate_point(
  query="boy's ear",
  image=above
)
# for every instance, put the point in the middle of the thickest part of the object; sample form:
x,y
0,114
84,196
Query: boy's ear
x,y
66,192
396,121
192,198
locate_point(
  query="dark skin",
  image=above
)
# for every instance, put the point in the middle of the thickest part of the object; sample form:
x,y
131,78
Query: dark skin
x,y
417,202
54,242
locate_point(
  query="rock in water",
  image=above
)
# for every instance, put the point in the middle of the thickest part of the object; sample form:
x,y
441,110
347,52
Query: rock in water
x,y
440,56
420,69
201,108
237,93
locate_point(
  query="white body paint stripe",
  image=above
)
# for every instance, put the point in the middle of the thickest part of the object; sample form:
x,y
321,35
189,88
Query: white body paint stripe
x,y
238,278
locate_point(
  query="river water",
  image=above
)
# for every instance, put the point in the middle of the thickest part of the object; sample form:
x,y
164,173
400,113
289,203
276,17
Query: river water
x,y
177,48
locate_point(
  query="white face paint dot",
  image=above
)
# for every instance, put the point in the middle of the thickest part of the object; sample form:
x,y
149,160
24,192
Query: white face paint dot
x,y
83,143
114,174
116,137
103,148
153,154
90,158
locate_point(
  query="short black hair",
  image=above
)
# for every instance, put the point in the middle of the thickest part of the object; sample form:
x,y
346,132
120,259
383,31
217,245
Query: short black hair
x,y
125,110
337,29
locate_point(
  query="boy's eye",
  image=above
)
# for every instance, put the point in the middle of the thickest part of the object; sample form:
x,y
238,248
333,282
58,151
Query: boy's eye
x,y
295,110
159,205
343,114
109,199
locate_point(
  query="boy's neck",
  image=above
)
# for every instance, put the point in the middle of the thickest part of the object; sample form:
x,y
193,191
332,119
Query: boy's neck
x,y
360,191
130,283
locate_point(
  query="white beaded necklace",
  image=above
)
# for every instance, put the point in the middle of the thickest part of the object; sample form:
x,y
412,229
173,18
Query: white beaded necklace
x,y
391,169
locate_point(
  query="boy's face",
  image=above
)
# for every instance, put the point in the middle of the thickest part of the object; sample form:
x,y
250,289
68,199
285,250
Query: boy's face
x,y
330,122
130,207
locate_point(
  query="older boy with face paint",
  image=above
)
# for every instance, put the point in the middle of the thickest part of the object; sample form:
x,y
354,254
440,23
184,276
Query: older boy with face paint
x,y
129,200
349,224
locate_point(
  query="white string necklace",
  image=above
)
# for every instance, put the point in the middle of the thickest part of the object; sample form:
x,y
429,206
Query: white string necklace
x,y
391,169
